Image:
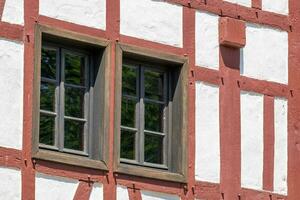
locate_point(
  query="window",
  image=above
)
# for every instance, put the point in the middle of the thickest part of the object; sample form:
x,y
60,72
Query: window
x,y
150,129
144,115
64,100
72,98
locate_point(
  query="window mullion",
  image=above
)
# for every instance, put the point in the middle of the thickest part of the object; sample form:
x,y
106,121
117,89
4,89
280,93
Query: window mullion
x,y
165,120
57,99
142,115
62,102
86,107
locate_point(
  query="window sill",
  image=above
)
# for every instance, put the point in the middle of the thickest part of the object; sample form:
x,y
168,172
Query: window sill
x,y
152,173
70,159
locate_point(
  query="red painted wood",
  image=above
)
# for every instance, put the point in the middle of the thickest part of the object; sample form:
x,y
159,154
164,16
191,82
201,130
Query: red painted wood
x,y
230,123
113,31
268,170
209,191
2,3
11,31
10,157
294,103
28,173
236,11
256,4
232,32
189,48
83,191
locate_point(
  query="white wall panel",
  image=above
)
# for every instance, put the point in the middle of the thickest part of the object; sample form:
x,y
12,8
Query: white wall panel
x,y
265,55
246,3
156,21
252,140
52,187
207,133
280,147
90,13
11,98
148,195
97,192
207,40
13,12
10,184
122,193
278,6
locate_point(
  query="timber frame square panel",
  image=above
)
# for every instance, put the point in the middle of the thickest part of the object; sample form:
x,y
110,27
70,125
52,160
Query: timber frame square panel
x,y
151,114
71,98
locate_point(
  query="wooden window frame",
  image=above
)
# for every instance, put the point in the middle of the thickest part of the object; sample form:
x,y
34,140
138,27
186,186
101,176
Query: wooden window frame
x,y
101,95
177,169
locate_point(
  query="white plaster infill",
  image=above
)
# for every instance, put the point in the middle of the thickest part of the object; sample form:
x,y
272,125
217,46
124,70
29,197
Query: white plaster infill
x,y
152,20
91,13
207,40
53,187
207,166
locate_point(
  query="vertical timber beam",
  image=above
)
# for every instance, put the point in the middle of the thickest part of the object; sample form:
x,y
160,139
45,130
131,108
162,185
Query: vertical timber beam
x,y
189,49
294,102
268,170
113,34
232,37
31,8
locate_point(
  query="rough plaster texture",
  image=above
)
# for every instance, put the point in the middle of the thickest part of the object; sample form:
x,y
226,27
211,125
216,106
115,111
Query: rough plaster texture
x,y
247,3
90,13
11,98
280,147
252,140
265,55
207,40
152,20
278,6
10,184
122,193
13,12
207,133
53,187
97,192
148,195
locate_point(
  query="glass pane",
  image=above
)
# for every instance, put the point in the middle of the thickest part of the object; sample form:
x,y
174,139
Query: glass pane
x,y
154,85
153,149
74,134
47,129
129,80
47,98
128,113
74,102
48,63
127,145
154,117
74,69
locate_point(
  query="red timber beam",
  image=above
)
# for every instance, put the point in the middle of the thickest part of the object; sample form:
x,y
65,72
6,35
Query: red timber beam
x,y
294,103
31,8
113,34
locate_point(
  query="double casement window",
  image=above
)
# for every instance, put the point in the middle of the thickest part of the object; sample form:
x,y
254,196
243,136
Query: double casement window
x,y
71,105
72,98
150,130
144,115
65,91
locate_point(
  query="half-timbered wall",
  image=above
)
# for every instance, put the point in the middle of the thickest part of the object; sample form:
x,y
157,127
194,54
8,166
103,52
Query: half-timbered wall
x,y
244,98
